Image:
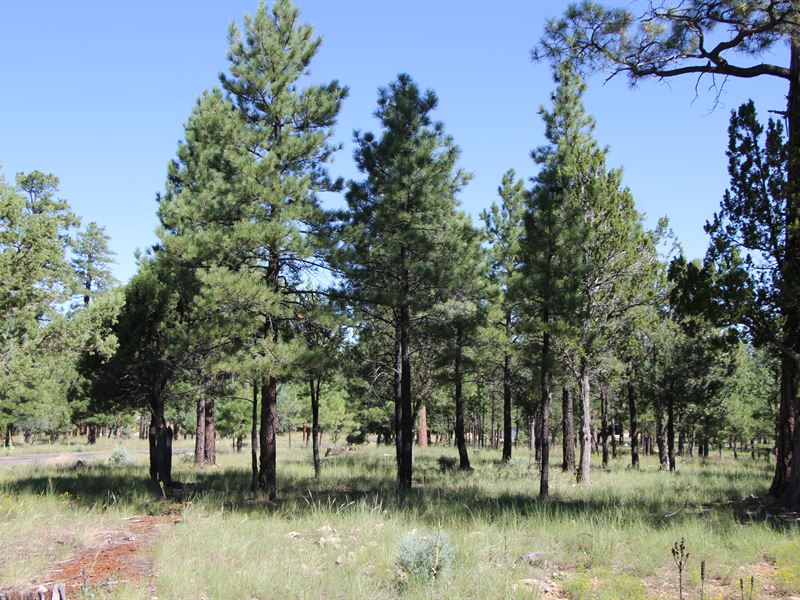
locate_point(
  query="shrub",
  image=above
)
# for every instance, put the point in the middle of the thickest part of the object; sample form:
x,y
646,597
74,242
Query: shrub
x,y
356,437
119,456
447,463
424,557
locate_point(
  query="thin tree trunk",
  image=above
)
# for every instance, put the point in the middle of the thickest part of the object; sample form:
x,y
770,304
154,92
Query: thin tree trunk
x,y
584,468
604,425
254,439
568,430
661,431
200,432
461,442
506,408
314,390
634,422
671,430
398,394
544,433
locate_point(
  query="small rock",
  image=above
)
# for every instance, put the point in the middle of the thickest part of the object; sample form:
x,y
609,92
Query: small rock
x,y
529,583
295,535
327,530
339,559
534,558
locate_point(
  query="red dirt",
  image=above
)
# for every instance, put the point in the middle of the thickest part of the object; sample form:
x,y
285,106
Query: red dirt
x,y
119,556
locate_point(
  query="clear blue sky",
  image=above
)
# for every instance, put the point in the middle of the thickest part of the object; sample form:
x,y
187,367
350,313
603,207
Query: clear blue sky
x,y
98,92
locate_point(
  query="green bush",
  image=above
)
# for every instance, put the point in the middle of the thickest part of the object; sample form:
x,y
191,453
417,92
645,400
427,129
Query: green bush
x,y
424,557
119,457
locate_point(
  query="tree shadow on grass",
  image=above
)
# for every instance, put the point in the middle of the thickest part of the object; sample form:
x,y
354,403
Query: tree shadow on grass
x,y
445,500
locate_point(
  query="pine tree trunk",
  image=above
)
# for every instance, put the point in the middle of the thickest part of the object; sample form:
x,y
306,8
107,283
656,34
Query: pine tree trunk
x,y
671,431
544,428
92,435
398,395
422,435
7,440
568,430
531,433
406,409
634,421
614,421
506,408
314,390
210,447
254,439
604,425
200,432
491,426
584,468
160,442
461,442
267,475
786,483
661,434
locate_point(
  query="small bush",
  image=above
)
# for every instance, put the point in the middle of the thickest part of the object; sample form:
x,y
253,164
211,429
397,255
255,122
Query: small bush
x,y
424,557
447,463
119,457
356,437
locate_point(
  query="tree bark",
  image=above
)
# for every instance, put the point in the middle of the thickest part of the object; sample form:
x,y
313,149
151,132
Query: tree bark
x,y
461,442
568,430
604,425
92,434
507,407
200,432
314,389
671,431
406,409
634,421
422,435
254,439
160,442
584,468
544,428
210,447
398,395
267,475
661,431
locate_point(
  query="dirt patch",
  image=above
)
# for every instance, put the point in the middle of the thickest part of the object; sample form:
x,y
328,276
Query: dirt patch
x,y
119,556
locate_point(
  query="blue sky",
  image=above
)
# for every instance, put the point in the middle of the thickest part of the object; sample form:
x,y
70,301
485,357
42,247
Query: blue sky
x,y
98,92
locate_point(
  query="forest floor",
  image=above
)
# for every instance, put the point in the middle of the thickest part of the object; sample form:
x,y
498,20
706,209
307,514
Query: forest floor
x,y
105,532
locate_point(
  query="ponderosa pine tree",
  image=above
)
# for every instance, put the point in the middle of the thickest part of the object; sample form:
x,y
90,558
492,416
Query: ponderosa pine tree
x,y
504,224
91,260
544,285
397,237
723,38
242,207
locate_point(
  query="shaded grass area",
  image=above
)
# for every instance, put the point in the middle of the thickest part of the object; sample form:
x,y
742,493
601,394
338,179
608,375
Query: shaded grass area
x,y
613,537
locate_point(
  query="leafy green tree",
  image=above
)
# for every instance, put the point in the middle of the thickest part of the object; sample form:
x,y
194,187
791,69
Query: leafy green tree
x,y
397,235
242,206
725,38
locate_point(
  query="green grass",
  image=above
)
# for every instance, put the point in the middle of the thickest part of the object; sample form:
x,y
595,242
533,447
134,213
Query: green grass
x,y
607,540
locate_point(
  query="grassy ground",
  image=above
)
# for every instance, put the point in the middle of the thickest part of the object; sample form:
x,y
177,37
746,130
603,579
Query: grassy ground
x,y
337,537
